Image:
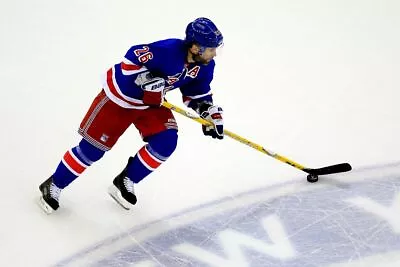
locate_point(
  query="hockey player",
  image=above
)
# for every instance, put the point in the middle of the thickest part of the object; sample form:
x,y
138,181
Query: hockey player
x,y
133,91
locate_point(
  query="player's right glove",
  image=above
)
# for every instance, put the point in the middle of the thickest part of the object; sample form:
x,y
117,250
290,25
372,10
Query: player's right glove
x,y
212,113
153,91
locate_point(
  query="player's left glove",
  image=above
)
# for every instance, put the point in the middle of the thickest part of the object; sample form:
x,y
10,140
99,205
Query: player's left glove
x,y
153,91
212,113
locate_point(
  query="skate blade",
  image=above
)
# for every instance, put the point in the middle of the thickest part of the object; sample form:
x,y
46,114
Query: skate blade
x,y
45,207
116,195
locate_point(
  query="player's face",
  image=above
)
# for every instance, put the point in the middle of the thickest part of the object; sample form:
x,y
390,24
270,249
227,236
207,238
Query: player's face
x,y
203,57
208,55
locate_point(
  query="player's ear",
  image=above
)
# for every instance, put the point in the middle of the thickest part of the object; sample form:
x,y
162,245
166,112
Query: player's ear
x,y
195,49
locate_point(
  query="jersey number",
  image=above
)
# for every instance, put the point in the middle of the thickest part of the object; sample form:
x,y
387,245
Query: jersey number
x,y
143,54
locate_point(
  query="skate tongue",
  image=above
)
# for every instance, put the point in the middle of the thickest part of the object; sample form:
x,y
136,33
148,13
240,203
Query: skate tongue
x,y
55,191
129,185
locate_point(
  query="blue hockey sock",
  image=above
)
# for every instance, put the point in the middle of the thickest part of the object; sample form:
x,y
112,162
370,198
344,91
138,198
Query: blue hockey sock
x,y
160,146
74,162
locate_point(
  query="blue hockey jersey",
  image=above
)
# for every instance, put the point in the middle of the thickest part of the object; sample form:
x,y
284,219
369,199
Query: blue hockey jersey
x,y
166,59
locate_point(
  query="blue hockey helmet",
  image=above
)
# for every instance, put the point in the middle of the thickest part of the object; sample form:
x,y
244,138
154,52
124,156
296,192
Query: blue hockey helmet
x,y
203,32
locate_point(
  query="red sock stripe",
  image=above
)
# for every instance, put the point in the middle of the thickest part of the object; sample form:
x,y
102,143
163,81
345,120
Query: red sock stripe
x,y
73,164
149,159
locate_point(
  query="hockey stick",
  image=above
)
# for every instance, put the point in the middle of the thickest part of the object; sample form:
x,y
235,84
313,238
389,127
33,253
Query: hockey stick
x,y
313,173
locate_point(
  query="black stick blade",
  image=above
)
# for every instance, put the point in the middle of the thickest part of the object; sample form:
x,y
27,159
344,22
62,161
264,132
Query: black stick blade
x,y
342,167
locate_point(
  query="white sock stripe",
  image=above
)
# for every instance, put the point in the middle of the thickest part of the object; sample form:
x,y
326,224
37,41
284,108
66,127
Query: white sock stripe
x,y
153,153
77,159
69,168
79,151
153,156
144,163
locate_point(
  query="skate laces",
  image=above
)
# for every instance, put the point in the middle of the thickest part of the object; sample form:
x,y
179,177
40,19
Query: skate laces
x,y
55,191
128,185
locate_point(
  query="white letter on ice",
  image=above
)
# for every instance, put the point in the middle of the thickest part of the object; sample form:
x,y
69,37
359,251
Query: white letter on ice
x,y
233,241
390,214
143,264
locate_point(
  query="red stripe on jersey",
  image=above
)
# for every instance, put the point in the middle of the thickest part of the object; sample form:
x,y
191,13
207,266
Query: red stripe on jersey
x,y
128,67
73,164
148,158
114,91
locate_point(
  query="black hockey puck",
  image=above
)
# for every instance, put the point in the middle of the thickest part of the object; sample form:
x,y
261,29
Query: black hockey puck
x,y
312,178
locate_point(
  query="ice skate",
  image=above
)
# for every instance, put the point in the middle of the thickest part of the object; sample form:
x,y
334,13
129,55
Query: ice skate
x,y
48,201
122,191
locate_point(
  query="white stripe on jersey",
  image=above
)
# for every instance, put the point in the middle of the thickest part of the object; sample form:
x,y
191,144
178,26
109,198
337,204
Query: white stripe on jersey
x,y
198,96
117,99
130,99
130,68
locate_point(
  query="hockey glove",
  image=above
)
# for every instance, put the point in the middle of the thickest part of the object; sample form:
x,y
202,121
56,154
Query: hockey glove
x,y
153,91
212,113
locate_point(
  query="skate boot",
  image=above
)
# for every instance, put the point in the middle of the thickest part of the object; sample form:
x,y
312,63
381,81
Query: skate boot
x,y
122,191
50,196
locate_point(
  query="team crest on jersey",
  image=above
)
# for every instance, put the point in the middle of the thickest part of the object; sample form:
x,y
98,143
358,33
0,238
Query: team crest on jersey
x,y
174,78
104,138
192,73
